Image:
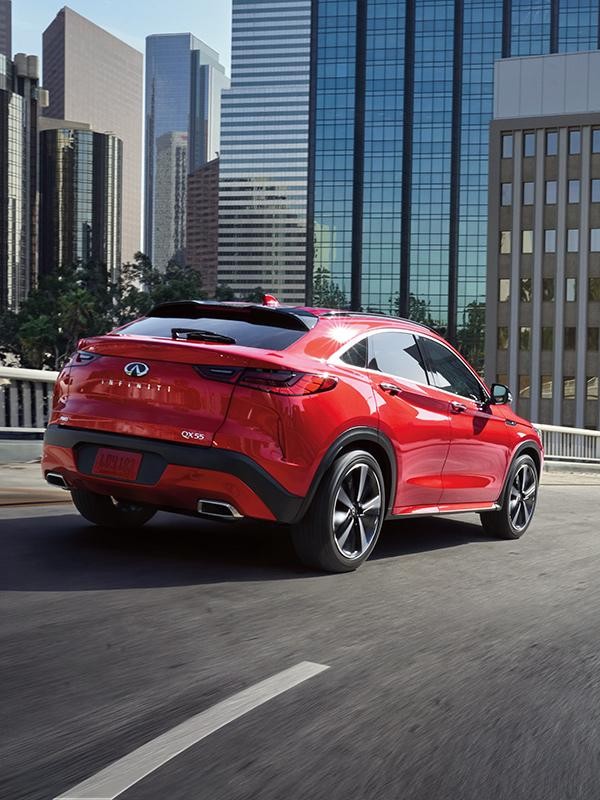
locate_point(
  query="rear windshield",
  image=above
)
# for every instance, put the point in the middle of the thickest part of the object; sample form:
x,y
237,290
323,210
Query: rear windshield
x,y
246,333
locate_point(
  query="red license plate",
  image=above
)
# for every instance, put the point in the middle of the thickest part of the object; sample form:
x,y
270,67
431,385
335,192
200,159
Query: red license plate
x,y
117,464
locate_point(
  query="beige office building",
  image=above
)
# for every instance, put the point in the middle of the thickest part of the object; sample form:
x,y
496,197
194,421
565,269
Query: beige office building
x,y
94,77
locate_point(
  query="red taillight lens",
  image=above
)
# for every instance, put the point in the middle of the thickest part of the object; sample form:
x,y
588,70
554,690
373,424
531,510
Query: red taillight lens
x,y
279,381
80,358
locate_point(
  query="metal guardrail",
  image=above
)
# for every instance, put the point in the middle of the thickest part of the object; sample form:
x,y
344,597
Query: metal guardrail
x,y
25,399
26,396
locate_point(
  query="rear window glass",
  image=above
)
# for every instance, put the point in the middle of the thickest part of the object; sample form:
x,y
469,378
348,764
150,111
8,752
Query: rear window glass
x,y
245,333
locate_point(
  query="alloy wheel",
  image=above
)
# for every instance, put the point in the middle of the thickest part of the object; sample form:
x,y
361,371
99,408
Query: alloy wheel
x,y
523,493
357,511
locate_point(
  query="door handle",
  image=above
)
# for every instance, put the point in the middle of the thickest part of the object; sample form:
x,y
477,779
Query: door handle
x,y
391,388
457,408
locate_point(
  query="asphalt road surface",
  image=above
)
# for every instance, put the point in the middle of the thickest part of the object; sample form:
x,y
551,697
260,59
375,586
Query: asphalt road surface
x,y
458,667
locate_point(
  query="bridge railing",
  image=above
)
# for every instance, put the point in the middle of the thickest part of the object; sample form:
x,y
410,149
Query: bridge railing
x,y
26,396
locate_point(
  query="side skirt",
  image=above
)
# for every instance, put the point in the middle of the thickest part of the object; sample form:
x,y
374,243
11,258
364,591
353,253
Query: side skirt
x,y
446,508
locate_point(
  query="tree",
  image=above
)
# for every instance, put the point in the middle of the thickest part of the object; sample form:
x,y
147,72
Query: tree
x,y
224,292
326,293
471,334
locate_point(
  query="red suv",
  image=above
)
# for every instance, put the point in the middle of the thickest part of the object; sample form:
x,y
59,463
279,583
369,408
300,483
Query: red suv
x,y
328,421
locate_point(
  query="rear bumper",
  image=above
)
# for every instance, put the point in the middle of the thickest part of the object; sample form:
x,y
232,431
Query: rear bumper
x,y
171,476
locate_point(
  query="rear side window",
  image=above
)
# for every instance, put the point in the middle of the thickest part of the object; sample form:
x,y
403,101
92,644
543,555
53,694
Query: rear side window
x,y
447,371
396,353
356,356
245,332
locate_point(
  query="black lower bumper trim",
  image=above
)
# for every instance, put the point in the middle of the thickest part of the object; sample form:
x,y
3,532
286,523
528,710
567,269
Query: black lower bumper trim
x,y
286,507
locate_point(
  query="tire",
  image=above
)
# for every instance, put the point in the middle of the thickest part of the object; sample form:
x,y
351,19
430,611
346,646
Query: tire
x,y
100,509
343,522
518,504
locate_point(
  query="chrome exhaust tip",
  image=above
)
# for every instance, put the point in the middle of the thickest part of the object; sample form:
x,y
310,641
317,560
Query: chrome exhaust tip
x,y
218,509
54,479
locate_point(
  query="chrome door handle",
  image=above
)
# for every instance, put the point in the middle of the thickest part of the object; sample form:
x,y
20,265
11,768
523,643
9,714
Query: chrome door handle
x,y
391,388
457,408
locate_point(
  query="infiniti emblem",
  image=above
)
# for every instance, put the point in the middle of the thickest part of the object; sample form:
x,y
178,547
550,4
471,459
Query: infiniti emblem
x,y
136,369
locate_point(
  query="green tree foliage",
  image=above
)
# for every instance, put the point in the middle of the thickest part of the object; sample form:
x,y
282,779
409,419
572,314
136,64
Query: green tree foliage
x,y
326,293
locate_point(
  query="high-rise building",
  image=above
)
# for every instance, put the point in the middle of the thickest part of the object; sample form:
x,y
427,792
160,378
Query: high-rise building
x,y
170,194
402,94
96,78
202,230
184,80
81,187
19,102
264,149
543,298
6,28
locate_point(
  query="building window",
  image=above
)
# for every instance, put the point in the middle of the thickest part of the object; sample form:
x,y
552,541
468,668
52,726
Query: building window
x,y
574,191
504,289
524,386
502,338
571,290
552,143
593,339
529,144
570,338
506,194
526,290
569,388
546,387
527,242
547,339
502,378
551,193
507,145
550,241
594,289
548,289
574,142
573,240
528,193
505,241
595,240
595,190
592,388
524,338
596,140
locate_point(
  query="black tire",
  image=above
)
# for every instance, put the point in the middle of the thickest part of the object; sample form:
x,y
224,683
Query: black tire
x,y
517,511
100,509
332,534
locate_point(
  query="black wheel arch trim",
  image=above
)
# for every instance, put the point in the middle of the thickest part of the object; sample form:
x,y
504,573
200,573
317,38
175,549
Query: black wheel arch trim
x,y
528,444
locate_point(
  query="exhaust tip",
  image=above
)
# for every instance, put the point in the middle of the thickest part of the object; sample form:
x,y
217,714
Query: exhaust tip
x,y
218,509
54,479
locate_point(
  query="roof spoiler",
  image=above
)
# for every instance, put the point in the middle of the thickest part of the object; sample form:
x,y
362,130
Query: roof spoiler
x,y
281,317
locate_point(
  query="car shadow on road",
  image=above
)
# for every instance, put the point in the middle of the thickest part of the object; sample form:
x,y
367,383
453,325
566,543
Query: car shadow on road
x,y
66,554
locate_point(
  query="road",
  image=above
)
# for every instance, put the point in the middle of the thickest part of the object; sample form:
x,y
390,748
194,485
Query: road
x,y
459,667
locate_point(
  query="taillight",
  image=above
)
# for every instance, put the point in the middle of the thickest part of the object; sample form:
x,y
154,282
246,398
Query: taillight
x,y
80,358
274,381
280,381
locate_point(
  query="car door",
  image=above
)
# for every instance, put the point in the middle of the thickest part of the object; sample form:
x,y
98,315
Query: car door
x,y
411,416
480,444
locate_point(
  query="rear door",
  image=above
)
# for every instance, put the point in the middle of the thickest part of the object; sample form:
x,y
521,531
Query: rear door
x,y
411,415
480,443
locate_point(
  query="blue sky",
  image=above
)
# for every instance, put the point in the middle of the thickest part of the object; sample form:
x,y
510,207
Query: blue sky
x,y
130,20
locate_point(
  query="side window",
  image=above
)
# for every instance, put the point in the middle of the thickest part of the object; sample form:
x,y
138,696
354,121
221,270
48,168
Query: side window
x,y
448,372
356,356
396,353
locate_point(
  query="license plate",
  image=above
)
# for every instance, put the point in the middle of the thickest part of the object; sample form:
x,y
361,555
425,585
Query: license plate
x,y
117,464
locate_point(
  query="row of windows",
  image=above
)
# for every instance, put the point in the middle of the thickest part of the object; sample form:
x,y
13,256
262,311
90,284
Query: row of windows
x,y
551,192
551,148
547,387
548,289
569,340
549,241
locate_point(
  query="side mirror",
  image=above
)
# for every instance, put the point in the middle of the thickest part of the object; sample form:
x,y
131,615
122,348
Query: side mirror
x,y
501,395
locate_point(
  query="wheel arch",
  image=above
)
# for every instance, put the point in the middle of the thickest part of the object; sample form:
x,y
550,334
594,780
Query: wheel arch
x,y
526,448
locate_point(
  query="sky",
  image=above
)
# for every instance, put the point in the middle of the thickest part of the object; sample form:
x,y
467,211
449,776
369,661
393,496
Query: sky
x,y
130,20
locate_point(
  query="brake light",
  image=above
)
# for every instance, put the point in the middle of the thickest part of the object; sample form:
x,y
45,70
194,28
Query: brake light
x,y
286,382
80,358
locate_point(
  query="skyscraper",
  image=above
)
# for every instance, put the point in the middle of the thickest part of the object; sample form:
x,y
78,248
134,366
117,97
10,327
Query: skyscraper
x,y
184,80
94,77
170,194
81,186
264,149
19,101
202,228
6,28
401,101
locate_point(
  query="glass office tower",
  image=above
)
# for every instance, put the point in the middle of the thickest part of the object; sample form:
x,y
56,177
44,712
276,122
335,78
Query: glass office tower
x,y
264,150
184,80
401,100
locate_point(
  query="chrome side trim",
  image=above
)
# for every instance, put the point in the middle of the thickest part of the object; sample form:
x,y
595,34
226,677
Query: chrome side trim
x,y
432,513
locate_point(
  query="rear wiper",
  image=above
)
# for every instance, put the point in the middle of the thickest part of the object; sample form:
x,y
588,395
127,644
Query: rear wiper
x,y
186,334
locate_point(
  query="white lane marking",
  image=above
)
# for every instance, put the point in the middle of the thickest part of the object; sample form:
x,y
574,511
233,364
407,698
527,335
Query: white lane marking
x,y
122,774
30,512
